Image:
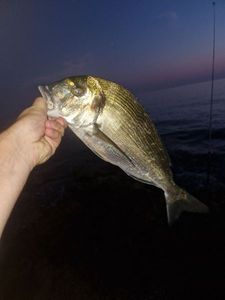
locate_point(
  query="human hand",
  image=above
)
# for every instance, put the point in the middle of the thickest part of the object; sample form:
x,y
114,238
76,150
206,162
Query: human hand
x,y
30,141
35,137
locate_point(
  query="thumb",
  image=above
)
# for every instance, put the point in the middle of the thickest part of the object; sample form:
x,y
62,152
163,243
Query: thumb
x,y
40,103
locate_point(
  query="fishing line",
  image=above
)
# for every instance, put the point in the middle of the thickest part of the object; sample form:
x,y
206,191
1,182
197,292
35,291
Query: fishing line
x,y
210,129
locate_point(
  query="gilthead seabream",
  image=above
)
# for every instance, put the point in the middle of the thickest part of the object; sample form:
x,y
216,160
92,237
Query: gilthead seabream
x,y
110,121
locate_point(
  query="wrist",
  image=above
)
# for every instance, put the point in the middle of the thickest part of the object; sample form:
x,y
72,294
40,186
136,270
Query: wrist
x,y
15,149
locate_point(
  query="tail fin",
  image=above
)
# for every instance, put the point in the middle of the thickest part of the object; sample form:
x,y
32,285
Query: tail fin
x,y
178,201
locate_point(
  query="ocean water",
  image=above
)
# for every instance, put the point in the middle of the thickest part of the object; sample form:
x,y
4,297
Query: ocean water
x,y
82,229
181,116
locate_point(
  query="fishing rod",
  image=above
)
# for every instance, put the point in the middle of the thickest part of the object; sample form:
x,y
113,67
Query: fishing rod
x,y
210,129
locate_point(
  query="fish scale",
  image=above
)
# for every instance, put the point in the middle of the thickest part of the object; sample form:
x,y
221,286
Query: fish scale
x,y
135,114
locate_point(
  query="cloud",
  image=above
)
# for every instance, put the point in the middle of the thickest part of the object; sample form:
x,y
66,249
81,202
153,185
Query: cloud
x,y
170,16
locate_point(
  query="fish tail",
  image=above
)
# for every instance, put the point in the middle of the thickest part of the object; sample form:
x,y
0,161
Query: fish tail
x,y
178,201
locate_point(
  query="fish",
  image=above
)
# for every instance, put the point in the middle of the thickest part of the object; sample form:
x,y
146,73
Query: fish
x,y
109,120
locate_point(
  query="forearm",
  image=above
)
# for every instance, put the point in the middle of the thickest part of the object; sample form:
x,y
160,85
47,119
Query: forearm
x,y
13,175
30,141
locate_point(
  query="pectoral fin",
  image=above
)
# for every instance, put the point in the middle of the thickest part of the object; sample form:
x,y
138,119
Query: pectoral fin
x,y
106,149
103,146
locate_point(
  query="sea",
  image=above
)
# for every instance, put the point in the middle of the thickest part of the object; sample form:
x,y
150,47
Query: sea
x,y
83,229
181,115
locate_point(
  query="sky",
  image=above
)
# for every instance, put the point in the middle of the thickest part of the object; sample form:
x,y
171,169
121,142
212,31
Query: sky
x,y
142,44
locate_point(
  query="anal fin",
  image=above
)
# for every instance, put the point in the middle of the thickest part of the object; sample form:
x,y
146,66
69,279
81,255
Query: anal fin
x,y
140,179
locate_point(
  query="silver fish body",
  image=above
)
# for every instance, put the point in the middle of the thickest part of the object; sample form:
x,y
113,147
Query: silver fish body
x,y
111,122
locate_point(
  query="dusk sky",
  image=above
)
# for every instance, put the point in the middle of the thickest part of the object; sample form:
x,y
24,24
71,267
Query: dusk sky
x,y
142,44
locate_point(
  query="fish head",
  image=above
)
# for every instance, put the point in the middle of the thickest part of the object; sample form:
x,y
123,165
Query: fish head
x,y
72,97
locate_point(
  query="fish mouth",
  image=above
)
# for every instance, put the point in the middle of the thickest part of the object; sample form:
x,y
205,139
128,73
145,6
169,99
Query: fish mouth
x,y
53,110
45,92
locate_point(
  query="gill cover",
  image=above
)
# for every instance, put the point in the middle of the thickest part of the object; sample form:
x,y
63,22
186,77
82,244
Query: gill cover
x,y
98,101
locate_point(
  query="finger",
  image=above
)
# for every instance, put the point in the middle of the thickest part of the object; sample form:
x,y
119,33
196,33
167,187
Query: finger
x,y
53,124
52,133
40,103
62,122
53,144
